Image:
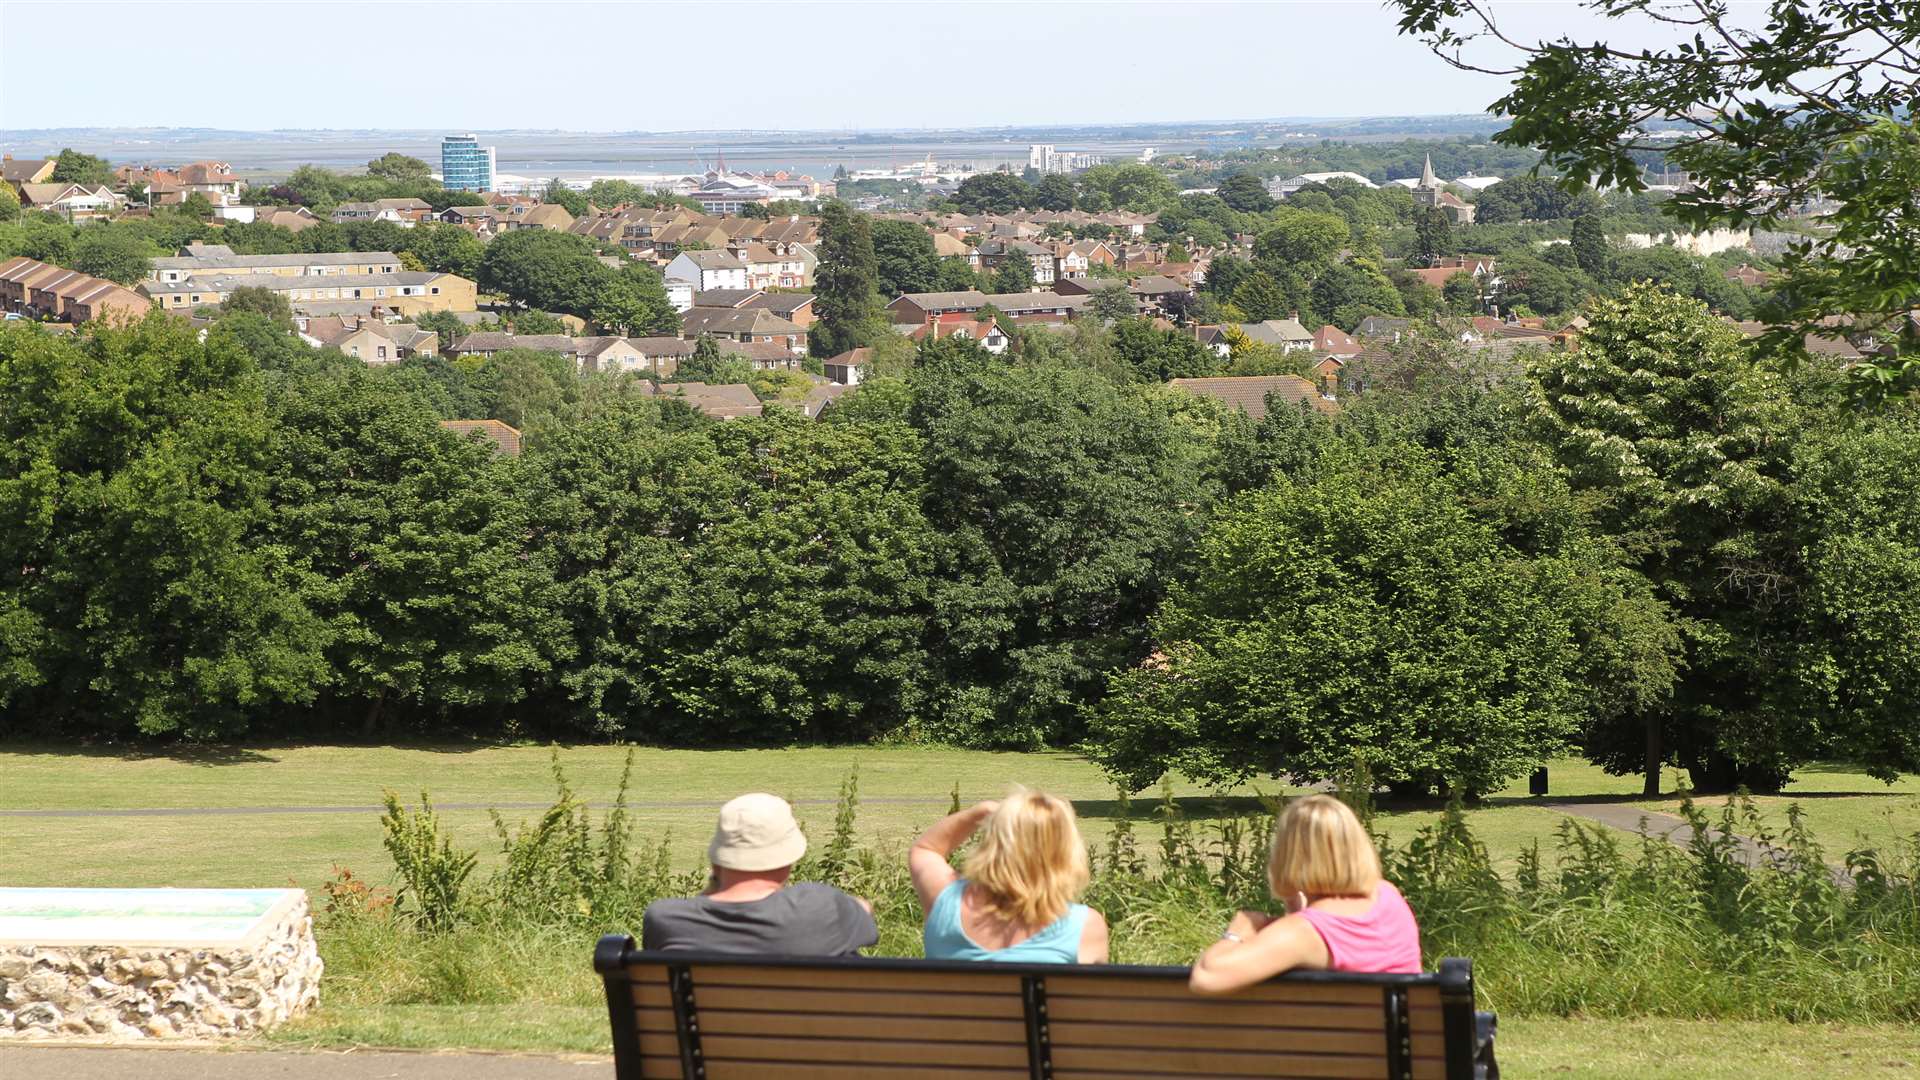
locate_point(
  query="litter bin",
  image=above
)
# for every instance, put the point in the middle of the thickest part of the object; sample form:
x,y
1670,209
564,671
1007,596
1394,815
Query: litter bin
x,y
1537,783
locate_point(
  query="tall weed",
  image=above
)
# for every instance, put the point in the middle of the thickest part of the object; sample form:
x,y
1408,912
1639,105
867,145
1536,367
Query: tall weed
x,y
1594,924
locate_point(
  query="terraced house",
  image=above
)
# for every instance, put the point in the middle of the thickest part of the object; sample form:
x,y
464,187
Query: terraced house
x,y
407,292
43,290
210,262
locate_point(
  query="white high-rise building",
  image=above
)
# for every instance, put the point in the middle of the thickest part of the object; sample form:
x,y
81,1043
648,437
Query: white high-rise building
x,y
1038,157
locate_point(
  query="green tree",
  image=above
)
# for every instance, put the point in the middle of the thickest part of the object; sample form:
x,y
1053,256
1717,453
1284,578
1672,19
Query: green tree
x,y
993,193
709,365
1350,291
444,323
116,254
1590,249
539,268
1461,292
1015,275
9,204
1301,239
904,259
559,193
1861,534
1790,103
1129,186
1260,298
131,603
197,206
399,167
1156,355
1246,193
446,249
73,167
1111,302
633,303
409,544
274,306
1664,422
1064,503
845,303
535,321
1433,237
1380,610
1053,192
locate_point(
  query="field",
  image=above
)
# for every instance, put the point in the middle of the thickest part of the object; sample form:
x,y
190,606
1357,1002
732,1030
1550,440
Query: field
x,y
291,814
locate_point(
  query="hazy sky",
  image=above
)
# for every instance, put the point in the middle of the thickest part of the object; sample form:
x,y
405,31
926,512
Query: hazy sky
x,y
713,64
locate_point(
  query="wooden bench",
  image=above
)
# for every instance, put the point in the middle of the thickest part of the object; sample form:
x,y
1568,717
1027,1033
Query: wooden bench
x,y
698,1016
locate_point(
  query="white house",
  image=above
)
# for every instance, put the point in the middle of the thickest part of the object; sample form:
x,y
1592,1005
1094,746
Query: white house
x,y
679,294
705,270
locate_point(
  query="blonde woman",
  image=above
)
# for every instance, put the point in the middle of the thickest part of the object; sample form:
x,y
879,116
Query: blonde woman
x,y
1015,899
1341,914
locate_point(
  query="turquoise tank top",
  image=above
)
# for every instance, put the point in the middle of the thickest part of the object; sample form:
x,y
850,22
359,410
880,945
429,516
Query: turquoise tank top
x,y
1057,943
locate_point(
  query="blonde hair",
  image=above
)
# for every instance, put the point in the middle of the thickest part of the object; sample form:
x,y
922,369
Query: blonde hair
x,y
1321,849
1031,863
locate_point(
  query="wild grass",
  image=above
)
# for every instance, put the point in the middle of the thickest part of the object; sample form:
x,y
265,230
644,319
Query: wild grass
x,y
1587,926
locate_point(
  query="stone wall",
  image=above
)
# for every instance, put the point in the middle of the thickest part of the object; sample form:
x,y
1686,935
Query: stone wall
x,y
160,992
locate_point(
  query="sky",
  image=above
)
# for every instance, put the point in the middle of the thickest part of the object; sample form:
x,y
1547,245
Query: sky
x,y
715,64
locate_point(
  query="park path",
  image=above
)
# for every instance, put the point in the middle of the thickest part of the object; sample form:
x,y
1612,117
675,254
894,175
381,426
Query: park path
x,y
44,1062
1675,830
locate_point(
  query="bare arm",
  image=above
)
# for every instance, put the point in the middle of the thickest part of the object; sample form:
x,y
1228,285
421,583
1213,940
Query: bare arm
x,y
1093,939
1267,948
927,859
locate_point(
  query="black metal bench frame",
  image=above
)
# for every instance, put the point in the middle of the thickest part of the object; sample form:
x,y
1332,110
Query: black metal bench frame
x,y
1467,1035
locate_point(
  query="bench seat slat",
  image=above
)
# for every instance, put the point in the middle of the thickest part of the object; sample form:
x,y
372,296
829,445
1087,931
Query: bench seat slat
x,y
1227,1013
1180,1036
669,1069
1009,1055
1269,993
1070,1061
938,982
841,1002
816,1025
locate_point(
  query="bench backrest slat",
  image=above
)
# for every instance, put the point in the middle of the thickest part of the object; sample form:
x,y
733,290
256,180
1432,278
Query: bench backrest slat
x,y
698,1017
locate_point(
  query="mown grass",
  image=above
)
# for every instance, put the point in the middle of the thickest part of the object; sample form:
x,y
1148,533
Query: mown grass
x,y
1544,1048
675,792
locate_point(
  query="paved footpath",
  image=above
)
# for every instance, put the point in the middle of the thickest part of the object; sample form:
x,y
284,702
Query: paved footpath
x,y
1675,829
191,1063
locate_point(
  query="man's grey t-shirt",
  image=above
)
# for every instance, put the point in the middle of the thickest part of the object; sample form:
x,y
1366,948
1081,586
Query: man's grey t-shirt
x,y
808,919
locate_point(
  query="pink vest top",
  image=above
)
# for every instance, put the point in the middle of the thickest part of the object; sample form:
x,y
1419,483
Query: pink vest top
x,y
1384,940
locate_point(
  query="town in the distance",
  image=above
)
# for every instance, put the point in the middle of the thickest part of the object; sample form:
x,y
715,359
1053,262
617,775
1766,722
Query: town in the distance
x,y
1239,273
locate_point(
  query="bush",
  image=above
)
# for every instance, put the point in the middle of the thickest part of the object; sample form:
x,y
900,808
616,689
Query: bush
x,y
1595,926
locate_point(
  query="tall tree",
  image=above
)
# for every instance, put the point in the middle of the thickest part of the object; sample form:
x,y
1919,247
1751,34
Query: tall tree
x,y
73,167
397,166
844,283
1015,275
993,193
113,253
1246,193
1662,419
1433,236
131,476
1590,249
1053,192
1378,609
904,259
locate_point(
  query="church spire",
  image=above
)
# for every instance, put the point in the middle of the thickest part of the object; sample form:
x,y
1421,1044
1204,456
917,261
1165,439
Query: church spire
x,y
1427,179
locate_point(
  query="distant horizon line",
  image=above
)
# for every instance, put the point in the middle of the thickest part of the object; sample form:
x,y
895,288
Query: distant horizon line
x,y
1030,126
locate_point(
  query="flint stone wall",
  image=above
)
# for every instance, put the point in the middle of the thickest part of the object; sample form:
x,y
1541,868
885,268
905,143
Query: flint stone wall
x,y
161,992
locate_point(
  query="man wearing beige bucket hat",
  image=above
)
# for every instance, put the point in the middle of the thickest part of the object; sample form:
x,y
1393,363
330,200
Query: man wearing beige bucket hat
x,y
750,907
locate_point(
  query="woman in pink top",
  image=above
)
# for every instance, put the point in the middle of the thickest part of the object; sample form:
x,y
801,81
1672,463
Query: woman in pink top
x,y
1341,914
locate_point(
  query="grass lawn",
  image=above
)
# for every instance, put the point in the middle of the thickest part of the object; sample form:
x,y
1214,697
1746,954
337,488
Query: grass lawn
x,y
902,789
1654,1049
